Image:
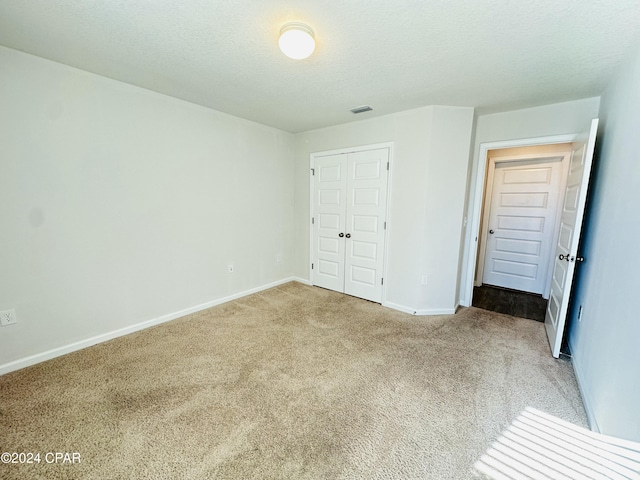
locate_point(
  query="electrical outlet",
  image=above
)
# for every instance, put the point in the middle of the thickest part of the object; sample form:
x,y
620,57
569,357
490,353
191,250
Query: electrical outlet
x,y
230,268
8,317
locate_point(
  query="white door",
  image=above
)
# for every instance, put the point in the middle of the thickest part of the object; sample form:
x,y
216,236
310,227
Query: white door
x,y
364,237
330,198
348,231
569,238
521,223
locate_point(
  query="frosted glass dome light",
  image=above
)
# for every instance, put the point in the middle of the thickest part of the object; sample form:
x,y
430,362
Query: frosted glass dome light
x,y
296,40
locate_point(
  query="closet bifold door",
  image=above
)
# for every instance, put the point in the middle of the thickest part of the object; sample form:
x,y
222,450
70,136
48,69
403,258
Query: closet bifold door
x,y
350,199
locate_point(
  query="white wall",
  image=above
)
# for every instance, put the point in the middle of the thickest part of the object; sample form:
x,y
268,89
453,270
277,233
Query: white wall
x,y
119,205
547,120
605,344
428,178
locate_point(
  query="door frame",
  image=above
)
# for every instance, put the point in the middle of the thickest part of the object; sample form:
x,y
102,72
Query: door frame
x,y
471,244
492,161
354,149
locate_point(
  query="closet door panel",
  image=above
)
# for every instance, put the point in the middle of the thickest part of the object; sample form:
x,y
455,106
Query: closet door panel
x,y
367,177
330,199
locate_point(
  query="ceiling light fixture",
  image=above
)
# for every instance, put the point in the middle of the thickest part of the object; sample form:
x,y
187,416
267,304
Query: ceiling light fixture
x,y
296,40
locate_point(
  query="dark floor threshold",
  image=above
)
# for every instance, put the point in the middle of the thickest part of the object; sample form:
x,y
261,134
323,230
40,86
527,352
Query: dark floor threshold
x,y
511,302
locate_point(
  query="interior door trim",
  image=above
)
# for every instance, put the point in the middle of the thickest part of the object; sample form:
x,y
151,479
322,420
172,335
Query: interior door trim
x,y
474,209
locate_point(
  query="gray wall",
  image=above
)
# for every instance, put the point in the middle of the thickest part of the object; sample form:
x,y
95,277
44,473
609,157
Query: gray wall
x,y
120,205
605,342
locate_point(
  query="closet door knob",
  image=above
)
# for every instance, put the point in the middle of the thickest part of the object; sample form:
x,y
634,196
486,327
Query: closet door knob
x,y
341,235
348,235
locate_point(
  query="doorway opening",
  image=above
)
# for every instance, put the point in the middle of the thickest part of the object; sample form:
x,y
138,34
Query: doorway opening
x,y
519,225
566,255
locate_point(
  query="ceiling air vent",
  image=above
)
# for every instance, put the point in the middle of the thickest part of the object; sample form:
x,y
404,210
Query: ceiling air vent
x,y
363,108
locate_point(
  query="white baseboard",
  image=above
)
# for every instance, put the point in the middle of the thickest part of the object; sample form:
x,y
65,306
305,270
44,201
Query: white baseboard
x,y
584,393
72,347
437,311
300,280
400,308
423,312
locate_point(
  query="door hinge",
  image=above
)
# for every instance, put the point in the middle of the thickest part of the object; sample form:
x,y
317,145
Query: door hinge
x,y
313,172
385,225
313,220
312,266
387,166
382,281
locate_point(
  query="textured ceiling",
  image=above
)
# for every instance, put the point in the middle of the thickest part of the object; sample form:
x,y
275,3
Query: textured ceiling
x,y
391,54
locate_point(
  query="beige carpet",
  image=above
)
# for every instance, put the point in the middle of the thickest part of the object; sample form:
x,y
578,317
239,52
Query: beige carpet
x,y
294,382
